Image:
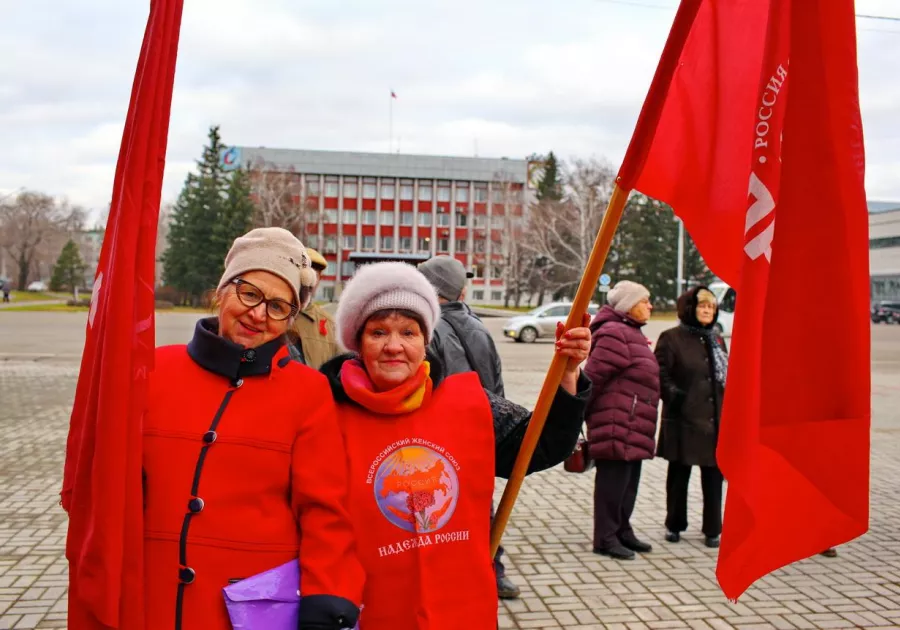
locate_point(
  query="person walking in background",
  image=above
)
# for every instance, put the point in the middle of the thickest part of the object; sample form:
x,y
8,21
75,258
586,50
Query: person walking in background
x,y
314,339
464,344
693,364
621,415
424,449
6,288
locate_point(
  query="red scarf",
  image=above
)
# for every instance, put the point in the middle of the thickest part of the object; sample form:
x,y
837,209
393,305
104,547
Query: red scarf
x,y
407,396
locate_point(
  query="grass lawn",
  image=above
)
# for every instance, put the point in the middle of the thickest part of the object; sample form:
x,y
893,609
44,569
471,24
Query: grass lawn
x,y
61,308
39,296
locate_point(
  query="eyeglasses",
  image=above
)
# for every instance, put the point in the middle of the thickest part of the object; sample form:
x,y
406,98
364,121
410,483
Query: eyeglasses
x,y
251,296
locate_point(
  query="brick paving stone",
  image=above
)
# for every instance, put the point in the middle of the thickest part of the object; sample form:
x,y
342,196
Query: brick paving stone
x,y
548,543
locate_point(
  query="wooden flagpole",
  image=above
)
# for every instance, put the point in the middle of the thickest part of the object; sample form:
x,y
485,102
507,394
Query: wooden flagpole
x,y
586,290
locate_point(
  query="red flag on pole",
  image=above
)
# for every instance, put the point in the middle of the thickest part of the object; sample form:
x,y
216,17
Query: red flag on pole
x,y
752,132
102,486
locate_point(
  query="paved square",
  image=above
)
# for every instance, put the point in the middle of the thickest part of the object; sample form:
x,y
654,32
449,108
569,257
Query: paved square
x,y
548,543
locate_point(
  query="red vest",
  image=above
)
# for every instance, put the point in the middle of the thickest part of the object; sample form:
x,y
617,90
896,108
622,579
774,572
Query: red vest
x,y
421,486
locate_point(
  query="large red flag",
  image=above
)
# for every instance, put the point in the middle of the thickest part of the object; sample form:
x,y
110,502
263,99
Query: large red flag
x,y
762,96
102,488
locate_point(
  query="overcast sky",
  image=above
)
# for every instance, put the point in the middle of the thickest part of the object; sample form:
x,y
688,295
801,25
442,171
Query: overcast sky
x,y
503,78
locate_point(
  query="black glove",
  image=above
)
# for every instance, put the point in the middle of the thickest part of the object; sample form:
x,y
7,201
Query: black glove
x,y
327,612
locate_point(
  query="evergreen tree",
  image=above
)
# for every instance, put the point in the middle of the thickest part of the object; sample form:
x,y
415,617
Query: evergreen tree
x,y
213,209
68,273
550,187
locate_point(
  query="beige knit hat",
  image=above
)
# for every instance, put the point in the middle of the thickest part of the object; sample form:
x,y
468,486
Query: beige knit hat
x,y
626,294
277,251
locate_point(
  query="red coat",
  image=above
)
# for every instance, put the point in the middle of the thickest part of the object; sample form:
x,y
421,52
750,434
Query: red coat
x,y
421,486
244,470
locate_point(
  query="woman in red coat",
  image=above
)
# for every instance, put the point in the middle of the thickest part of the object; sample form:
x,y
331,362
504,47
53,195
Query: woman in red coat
x,y
423,451
237,478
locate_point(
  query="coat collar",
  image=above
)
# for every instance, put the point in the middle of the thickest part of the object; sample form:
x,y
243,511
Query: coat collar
x,y
226,358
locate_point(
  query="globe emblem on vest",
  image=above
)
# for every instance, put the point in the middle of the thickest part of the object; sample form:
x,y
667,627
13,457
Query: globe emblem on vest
x,y
416,488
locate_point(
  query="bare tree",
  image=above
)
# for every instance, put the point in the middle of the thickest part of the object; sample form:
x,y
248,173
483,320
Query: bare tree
x,y
281,199
561,233
33,229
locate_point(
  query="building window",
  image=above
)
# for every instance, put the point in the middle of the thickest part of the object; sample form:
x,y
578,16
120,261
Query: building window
x,y
462,246
497,195
478,295
406,244
331,216
331,189
349,241
368,217
443,193
387,242
462,192
496,271
348,268
406,191
497,221
481,194
387,217
350,189
479,220
369,191
406,218
369,243
350,217
425,193
312,185
425,244
424,219
328,293
478,270
387,191
462,219
496,296
443,245
312,240
330,244
479,245
443,219
330,269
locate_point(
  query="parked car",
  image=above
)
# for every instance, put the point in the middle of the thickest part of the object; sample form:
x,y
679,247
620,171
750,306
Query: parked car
x,y
727,297
885,312
540,322
37,285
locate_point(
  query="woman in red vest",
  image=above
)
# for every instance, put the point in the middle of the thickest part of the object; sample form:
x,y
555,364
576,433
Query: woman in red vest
x,y
237,478
423,452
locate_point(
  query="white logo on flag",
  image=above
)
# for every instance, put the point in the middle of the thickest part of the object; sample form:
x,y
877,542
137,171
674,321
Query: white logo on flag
x,y
95,297
761,244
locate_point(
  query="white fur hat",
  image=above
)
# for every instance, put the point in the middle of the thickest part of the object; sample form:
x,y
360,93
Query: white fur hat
x,y
385,286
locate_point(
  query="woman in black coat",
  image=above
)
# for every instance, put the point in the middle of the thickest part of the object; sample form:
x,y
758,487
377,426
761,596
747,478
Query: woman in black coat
x,y
693,365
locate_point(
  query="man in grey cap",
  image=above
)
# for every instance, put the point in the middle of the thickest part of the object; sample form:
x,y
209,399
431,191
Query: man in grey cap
x,y
463,344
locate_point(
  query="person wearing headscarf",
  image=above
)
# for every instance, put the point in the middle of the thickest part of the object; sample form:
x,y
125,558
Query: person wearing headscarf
x,y
693,366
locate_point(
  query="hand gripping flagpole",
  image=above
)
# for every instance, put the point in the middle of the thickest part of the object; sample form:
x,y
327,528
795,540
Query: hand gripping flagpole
x,y
583,296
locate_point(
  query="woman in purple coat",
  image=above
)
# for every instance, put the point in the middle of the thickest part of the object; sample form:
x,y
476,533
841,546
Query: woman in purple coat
x,y
621,415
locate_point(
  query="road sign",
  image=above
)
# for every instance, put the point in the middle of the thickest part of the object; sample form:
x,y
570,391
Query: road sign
x,y
604,288
605,280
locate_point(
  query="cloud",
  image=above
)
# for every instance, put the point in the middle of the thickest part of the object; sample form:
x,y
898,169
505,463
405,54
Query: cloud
x,y
505,78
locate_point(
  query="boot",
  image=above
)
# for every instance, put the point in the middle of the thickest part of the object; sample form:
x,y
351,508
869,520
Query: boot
x,y
712,542
618,552
673,537
506,589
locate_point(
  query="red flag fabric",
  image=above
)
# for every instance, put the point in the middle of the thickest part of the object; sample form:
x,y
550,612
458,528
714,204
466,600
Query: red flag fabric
x,y
102,486
763,97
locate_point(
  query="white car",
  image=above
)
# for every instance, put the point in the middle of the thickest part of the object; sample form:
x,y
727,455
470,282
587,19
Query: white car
x,y
726,296
541,321
37,285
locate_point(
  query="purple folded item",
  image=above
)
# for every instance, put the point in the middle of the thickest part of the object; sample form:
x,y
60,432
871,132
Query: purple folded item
x,y
267,601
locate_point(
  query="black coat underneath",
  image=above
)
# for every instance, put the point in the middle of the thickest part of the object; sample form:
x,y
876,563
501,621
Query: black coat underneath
x,y
557,440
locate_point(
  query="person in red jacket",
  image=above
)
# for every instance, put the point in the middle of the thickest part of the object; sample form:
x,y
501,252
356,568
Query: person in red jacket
x,y
237,478
423,450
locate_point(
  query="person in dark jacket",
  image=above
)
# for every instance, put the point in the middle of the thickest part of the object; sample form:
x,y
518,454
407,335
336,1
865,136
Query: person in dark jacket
x,y
693,365
621,415
423,450
464,344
